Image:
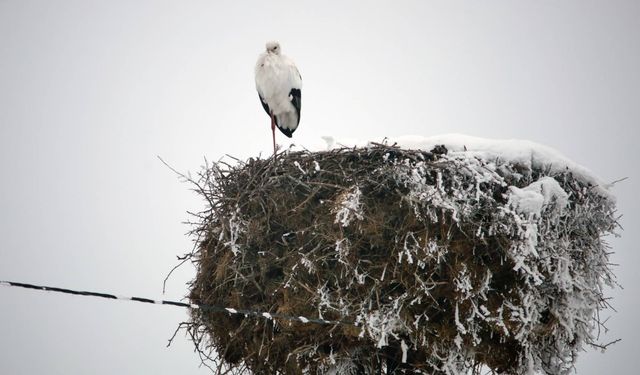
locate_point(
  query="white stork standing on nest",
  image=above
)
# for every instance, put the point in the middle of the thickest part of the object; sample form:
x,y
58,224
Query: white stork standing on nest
x,y
279,86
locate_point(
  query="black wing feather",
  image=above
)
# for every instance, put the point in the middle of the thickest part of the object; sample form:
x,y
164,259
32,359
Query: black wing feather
x,y
264,105
287,132
296,100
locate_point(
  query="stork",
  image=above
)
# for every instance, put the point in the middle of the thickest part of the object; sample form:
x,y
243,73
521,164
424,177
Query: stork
x,y
279,86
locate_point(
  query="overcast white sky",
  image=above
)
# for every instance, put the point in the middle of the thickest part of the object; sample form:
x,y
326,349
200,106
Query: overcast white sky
x,y
92,91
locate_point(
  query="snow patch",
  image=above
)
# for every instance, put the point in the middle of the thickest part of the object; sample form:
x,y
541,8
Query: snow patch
x,y
534,198
404,348
523,152
236,229
349,207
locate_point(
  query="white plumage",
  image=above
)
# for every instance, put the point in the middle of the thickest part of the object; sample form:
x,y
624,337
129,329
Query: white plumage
x,y
279,86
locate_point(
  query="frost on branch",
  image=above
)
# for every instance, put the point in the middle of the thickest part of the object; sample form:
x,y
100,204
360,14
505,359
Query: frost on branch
x,y
442,262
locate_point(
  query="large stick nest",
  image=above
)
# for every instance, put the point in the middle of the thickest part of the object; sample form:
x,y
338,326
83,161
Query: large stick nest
x,y
427,256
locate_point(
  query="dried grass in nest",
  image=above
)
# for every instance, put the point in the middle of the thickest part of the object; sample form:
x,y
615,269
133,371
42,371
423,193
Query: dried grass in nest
x,y
421,251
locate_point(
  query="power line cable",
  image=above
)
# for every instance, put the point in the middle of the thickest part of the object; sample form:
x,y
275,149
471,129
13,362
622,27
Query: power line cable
x,y
215,308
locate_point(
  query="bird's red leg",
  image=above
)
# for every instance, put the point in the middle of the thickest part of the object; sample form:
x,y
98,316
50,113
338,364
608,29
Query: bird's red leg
x,y
273,131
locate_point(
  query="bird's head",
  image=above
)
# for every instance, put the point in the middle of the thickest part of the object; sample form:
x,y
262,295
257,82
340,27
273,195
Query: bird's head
x,y
273,47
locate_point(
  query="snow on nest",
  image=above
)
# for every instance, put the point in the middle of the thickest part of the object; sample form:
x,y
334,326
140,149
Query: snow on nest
x,y
526,153
531,199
